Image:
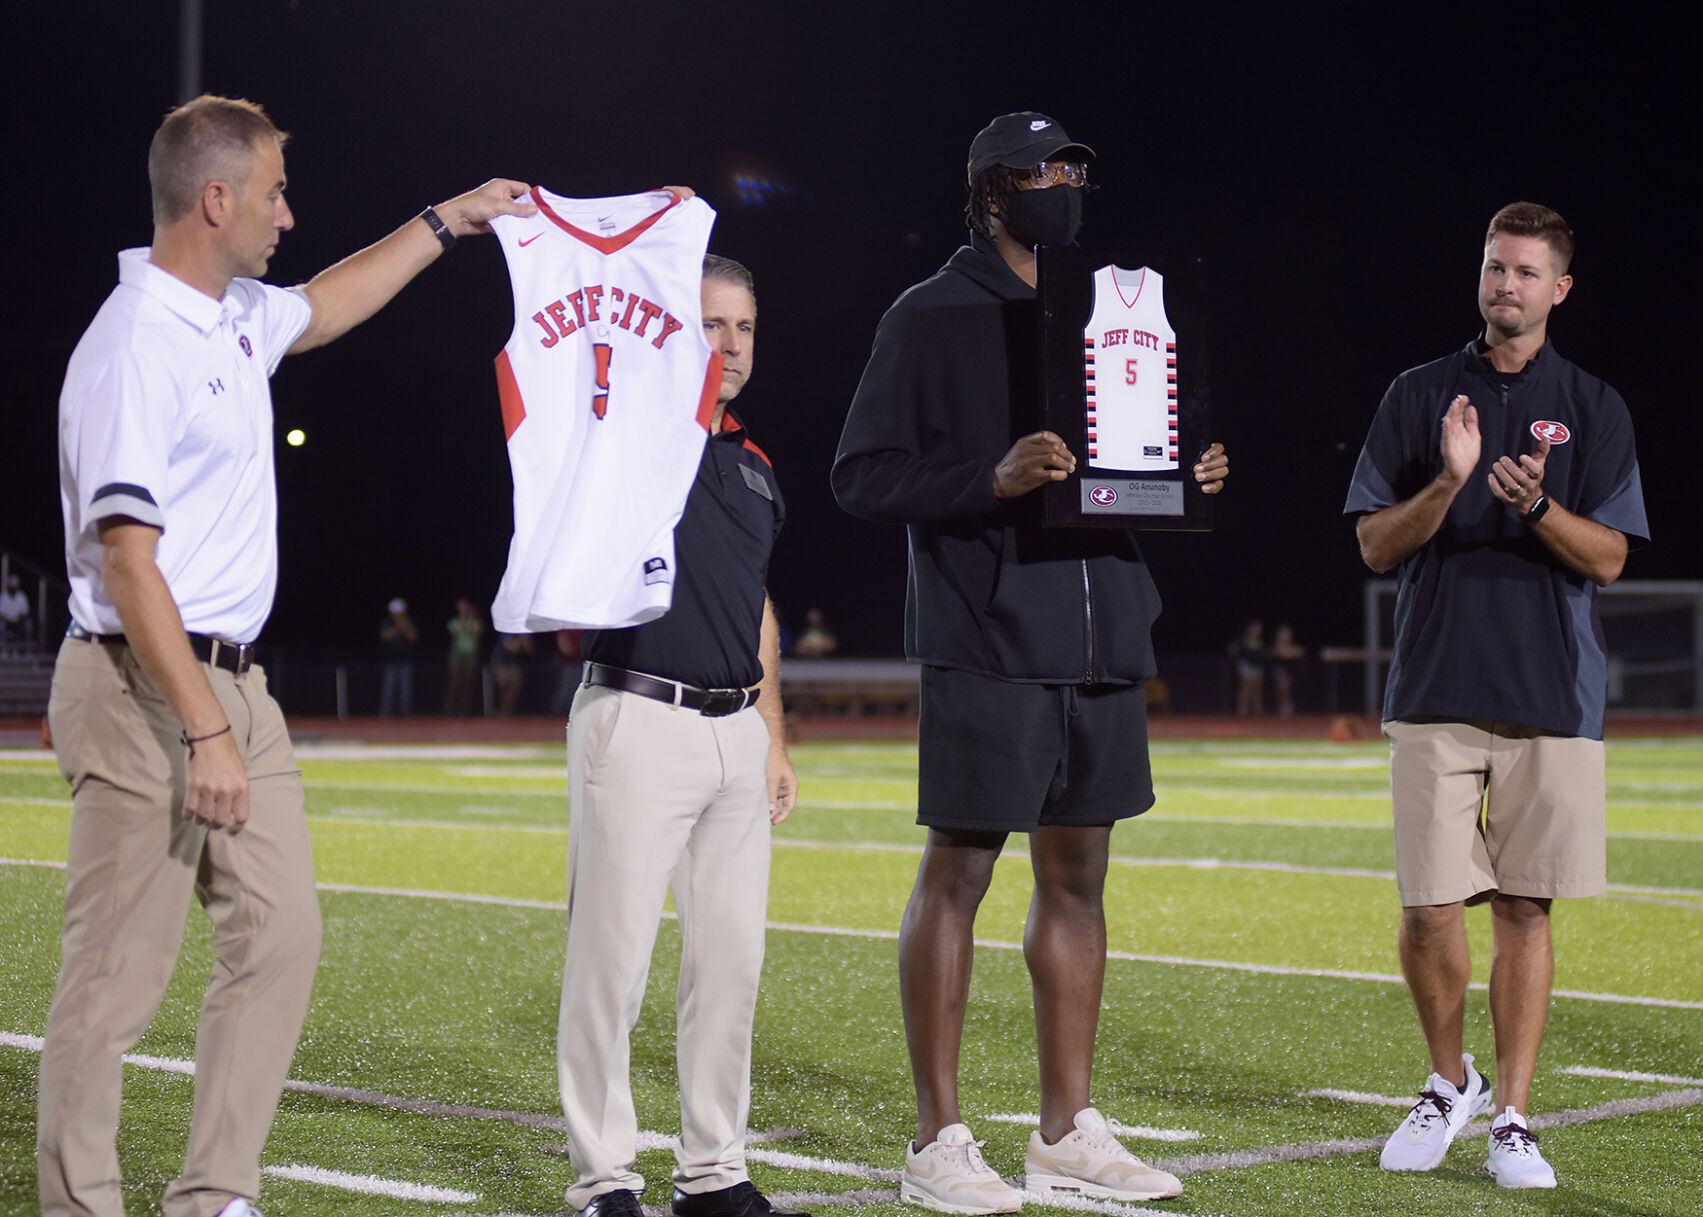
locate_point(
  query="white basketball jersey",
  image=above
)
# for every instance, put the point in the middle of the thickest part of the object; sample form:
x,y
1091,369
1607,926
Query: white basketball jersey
x,y
1129,354
608,386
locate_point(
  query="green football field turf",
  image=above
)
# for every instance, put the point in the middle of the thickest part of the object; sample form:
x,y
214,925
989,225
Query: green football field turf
x,y
1255,1033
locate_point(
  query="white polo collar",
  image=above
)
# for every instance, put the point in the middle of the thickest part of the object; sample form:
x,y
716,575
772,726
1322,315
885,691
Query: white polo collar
x,y
196,307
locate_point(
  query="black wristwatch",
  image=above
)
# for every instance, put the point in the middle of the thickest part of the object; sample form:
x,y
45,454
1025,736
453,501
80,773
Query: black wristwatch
x,y
440,230
1538,511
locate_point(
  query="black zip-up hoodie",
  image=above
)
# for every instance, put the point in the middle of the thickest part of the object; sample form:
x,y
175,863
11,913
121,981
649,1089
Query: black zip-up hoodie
x,y
951,384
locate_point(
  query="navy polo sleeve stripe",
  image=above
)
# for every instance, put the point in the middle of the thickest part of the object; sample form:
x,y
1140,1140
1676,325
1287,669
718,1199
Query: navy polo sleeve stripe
x,y
135,492
126,499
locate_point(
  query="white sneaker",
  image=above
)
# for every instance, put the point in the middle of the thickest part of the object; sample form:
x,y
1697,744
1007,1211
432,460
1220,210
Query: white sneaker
x,y
238,1207
949,1176
1514,1158
1091,1162
1442,1111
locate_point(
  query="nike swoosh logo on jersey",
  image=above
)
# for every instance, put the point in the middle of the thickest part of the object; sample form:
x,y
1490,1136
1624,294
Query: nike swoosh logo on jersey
x,y
529,240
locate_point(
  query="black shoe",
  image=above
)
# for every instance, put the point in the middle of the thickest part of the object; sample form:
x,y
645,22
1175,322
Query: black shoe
x,y
618,1203
740,1200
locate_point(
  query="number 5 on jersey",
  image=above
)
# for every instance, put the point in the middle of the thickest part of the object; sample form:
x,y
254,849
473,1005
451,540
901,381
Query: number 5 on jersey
x,y
600,401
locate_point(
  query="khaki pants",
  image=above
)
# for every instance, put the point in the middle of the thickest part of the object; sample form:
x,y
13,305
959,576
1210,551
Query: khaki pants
x,y
661,797
133,865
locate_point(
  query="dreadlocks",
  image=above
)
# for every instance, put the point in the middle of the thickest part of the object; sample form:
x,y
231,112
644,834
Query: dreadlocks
x,y
990,192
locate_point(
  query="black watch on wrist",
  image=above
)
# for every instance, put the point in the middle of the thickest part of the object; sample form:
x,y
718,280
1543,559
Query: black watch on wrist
x,y
440,230
1538,511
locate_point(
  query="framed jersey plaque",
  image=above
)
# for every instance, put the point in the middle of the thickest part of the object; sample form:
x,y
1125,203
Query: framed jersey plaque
x,y
1128,396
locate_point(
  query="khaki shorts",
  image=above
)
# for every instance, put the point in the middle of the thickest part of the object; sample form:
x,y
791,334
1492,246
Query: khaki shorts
x,y
1482,808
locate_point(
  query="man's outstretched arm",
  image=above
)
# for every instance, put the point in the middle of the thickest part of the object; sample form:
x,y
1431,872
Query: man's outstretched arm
x,y
346,294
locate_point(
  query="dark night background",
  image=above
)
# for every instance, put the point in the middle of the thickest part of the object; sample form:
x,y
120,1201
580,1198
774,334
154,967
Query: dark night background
x,y
1334,167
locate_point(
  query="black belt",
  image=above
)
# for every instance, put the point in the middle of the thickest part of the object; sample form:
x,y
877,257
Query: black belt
x,y
233,657
712,703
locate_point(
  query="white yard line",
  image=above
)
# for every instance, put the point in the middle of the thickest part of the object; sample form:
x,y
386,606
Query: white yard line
x,y
346,751
1119,859
1266,1155
1588,1071
1360,1096
413,894
1157,816
1671,904
426,1107
437,825
1081,1204
827,1166
482,792
994,944
1031,1120
1235,1159
370,1185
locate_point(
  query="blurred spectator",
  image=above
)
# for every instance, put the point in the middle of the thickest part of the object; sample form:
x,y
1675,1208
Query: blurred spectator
x,y
570,658
508,670
397,634
1285,658
14,613
466,628
817,639
1249,653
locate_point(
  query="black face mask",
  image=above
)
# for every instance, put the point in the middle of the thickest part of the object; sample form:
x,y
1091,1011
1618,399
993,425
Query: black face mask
x,y
1045,217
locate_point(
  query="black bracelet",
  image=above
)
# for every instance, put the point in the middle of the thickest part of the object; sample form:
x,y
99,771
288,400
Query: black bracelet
x,y
202,739
1539,509
440,230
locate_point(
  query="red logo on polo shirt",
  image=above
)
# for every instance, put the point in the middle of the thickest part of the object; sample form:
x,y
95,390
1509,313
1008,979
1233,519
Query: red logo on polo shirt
x,y
1103,496
1555,433
246,345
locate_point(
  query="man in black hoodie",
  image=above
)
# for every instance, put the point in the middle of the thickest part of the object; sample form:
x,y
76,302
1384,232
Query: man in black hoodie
x,y
1034,645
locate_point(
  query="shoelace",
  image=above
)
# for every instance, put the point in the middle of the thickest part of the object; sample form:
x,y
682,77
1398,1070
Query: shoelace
x,y
1439,1107
1512,1139
974,1164
1104,1141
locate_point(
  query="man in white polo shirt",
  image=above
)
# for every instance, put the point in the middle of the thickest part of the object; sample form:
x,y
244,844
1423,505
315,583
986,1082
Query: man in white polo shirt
x,y
182,773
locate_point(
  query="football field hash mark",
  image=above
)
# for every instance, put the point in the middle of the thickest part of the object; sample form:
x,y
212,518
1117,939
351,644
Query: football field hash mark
x,y
370,1185
1358,1096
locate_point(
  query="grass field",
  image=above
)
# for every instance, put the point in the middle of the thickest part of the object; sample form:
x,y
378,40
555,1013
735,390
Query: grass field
x,y
1255,1033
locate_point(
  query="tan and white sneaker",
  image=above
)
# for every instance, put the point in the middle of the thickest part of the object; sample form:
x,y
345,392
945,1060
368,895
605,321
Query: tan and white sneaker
x,y
1091,1162
949,1176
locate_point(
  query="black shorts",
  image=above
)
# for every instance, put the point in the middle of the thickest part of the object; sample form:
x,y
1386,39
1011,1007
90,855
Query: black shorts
x,y
998,756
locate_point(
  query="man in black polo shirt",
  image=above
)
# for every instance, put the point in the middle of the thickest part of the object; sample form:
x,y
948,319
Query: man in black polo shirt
x,y
1503,481
677,767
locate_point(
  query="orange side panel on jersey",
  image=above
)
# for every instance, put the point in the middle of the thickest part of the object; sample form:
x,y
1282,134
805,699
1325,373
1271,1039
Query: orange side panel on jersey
x,y
712,390
508,390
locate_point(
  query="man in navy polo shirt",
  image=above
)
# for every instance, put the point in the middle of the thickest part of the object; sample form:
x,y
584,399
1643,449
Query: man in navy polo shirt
x,y
1503,482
